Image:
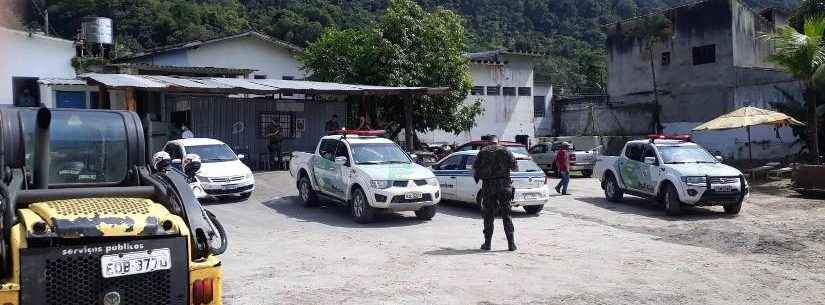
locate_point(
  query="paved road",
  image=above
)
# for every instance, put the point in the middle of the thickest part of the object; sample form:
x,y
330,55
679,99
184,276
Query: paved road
x,y
580,250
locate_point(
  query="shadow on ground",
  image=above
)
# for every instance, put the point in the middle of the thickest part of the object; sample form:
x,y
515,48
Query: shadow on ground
x,y
452,252
469,210
222,200
336,215
649,208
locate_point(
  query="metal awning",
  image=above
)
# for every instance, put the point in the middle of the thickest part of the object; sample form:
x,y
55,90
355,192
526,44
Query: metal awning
x,y
242,85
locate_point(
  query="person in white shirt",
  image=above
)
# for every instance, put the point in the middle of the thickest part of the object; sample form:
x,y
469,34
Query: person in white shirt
x,y
186,134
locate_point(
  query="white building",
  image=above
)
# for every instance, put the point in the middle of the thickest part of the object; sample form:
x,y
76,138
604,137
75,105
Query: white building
x,y
271,58
25,59
513,105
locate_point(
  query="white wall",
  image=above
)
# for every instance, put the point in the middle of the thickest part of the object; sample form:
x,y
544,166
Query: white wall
x,y
505,116
732,144
544,126
24,55
244,52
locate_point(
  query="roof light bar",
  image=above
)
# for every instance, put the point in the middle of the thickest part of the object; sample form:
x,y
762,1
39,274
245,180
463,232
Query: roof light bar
x,y
683,137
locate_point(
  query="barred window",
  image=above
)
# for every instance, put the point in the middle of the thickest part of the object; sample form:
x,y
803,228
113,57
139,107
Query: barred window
x,y
477,90
525,91
493,90
539,106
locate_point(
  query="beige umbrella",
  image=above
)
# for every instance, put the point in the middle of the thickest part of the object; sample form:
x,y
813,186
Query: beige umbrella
x,y
747,117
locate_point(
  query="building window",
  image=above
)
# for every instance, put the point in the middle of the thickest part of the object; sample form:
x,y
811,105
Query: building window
x,y
260,76
704,55
539,106
509,91
494,90
525,91
25,91
666,59
270,123
477,90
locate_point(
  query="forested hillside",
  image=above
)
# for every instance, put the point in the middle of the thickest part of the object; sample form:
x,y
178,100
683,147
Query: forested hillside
x,y
568,30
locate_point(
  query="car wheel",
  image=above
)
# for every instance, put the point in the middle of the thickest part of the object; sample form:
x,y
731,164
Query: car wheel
x,y
306,192
612,191
362,212
587,173
733,208
673,206
427,212
533,209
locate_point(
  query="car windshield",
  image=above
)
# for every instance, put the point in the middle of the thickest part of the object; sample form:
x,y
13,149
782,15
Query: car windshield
x,y
685,154
212,152
85,147
517,149
378,153
525,165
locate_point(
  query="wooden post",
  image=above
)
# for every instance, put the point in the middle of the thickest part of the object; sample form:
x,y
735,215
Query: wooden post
x,y
408,122
750,149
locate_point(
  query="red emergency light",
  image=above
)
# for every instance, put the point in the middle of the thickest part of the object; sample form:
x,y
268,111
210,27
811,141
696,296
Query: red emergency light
x,y
682,137
358,132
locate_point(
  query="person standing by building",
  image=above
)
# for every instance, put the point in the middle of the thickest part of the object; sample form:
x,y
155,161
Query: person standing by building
x,y
332,124
275,150
563,167
492,167
186,133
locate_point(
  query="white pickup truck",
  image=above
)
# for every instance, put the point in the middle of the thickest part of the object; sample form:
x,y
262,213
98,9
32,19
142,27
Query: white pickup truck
x,y
673,171
369,174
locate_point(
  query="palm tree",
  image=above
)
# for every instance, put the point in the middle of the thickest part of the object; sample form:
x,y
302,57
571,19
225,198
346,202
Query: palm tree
x,y
651,31
803,56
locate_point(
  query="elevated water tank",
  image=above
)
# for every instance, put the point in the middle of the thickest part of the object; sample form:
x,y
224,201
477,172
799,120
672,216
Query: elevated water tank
x,y
97,30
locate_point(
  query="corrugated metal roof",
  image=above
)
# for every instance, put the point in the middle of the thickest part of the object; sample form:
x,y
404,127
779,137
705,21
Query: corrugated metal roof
x,y
125,80
259,86
61,81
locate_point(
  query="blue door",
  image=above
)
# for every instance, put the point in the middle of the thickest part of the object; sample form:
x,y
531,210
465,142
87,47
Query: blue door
x,y
71,99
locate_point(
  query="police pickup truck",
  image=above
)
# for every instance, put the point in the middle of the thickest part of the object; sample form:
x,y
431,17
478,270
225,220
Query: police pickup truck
x,y
674,171
367,173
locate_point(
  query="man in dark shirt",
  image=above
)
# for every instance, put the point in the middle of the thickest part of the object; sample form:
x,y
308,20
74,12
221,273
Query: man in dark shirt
x,y
492,167
332,124
563,168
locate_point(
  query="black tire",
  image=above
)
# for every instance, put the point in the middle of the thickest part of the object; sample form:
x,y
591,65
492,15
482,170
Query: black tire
x,y
360,207
427,212
612,191
220,231
673,206
533,209
305,191
734,208
587,173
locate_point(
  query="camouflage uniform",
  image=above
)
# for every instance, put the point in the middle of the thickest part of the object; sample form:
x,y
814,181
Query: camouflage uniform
x,y
493,167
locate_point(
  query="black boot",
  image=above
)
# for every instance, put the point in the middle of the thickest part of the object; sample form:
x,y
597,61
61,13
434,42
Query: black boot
x,y
488,231
486,245
511,241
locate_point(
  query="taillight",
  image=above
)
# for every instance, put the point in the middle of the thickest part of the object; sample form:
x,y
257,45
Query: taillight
x,y
546,179
202,292
572,157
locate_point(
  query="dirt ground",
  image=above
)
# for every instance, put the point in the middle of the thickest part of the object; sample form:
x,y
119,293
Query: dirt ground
x,y
580,250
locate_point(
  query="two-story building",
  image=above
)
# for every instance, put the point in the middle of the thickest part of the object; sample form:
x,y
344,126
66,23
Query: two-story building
x,y
513,104
714,62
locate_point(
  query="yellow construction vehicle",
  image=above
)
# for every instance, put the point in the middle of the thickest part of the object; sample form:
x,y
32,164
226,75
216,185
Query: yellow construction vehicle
x,y
85,220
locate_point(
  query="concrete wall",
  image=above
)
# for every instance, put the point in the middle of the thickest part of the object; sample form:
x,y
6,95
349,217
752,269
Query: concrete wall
x,y
243,52
749,49
24,55
598,118
505,116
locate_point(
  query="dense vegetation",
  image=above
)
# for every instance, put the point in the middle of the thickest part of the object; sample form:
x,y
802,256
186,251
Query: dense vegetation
x,y
568,30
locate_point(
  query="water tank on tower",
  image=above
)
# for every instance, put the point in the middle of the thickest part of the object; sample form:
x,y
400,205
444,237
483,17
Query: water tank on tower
x,y
96,36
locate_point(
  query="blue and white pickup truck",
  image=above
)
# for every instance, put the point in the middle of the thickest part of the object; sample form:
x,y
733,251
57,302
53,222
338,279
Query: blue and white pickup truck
x,y
369,174
673,171
455,175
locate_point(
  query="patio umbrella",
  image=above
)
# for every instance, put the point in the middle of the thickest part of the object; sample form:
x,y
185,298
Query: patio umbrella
x,y
747,117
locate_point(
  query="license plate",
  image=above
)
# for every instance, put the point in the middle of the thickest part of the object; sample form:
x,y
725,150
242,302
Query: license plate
x,y
115,265
230,186
411,196
724,188
531,196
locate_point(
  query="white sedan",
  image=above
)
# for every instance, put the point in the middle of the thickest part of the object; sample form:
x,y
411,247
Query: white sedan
x,y
455,176
222,172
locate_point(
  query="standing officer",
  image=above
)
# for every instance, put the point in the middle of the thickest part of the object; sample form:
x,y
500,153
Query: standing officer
x,y
492,167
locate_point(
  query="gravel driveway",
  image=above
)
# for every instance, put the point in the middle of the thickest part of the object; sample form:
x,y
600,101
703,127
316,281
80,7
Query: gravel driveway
x,y
580,250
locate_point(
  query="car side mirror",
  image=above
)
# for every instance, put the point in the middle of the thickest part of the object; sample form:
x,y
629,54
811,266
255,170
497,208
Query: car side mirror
x,y
341,160
241,156
719,158
650,160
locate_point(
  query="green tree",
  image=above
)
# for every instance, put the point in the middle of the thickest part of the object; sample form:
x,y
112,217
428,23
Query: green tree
x,y
807,9
802,54
408,46
652,31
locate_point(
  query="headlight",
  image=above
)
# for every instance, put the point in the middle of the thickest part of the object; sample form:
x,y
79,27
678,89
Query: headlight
x,y
202,178
432,181
248,176
701,181
381,184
